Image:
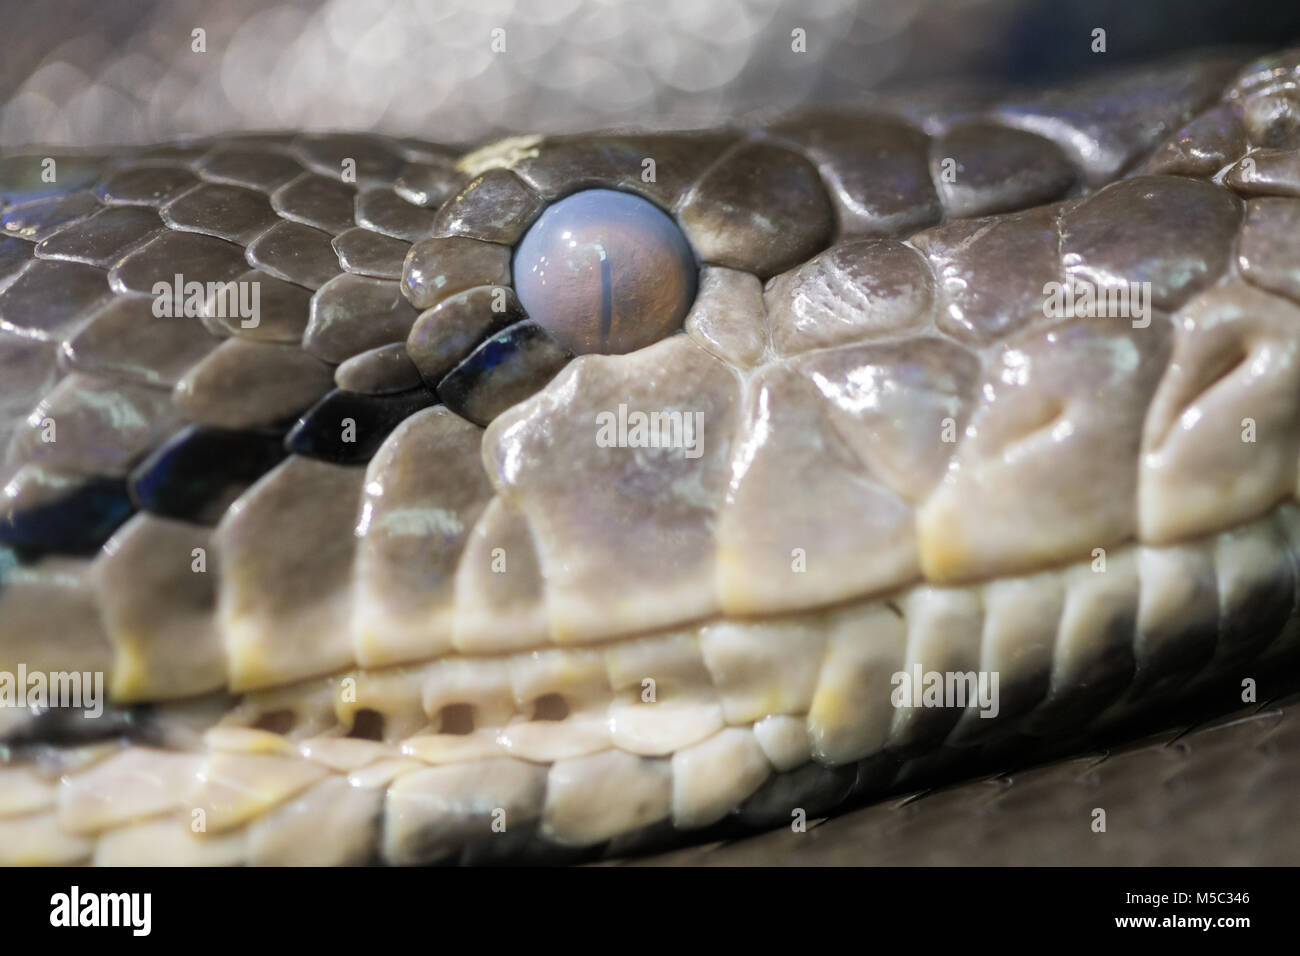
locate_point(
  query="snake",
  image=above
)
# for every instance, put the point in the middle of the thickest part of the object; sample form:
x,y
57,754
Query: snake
x,y
569,497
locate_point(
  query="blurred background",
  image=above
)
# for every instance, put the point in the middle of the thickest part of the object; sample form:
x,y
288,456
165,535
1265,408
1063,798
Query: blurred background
x,y
80,72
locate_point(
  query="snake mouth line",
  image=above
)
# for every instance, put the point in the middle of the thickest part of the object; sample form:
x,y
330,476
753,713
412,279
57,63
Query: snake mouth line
x,y
813,699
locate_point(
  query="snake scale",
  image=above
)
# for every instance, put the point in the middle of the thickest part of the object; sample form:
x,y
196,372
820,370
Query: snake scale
x,y
471,632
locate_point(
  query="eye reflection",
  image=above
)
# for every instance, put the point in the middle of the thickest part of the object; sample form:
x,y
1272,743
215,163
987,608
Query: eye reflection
x,y
605,272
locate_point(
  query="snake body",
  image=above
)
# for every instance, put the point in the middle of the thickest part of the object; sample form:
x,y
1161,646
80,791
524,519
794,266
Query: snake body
x,y
474,634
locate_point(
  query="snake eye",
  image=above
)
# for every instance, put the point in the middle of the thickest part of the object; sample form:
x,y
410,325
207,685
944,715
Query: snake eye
x,y
605,271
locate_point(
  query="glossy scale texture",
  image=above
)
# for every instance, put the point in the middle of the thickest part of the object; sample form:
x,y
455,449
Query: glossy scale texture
x,y
381,653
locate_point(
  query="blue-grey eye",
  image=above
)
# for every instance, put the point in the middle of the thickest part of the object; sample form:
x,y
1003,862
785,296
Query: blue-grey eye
x,y
605,271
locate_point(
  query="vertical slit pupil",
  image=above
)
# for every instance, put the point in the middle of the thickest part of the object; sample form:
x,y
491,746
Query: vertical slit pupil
x,y
605,272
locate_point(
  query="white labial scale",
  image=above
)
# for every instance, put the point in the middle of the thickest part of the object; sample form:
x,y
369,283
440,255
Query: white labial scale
x,y
1257,582
1178,611
234,788
157,602
435,811
764,668
714,776
332,824
23,792
851,711
805,523
570,685
285,551
424,491
663,694
728,317
1046,469
128,787
784,740
944,628
593,798
382,774
1235,369
1021,617
39,840
248,740
480,744
625,535
1092,660
345,754
169,841
500,595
